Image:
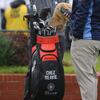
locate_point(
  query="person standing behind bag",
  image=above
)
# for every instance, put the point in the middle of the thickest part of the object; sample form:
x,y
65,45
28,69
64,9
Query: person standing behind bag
x,y
13,16
85,31
13,20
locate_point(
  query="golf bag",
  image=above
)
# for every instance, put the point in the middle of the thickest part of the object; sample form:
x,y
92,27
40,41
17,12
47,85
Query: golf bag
x,y
45,78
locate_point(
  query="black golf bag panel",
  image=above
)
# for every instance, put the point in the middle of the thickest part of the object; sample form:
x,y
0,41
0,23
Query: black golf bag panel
x,y
47,75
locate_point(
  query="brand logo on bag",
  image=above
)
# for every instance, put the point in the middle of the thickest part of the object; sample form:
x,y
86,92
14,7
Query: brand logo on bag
x,y
51,89
50,75
51,86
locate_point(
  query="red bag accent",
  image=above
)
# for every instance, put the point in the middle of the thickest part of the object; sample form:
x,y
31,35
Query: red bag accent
x,y
47,39
48,47
48,58
33,48
45,56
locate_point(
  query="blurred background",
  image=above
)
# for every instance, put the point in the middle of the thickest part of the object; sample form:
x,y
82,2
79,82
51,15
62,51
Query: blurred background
x,y
14,34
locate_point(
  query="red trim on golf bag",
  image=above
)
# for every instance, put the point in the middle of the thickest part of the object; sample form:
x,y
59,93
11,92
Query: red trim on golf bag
x,y
33,49
48,49
47,39
46,56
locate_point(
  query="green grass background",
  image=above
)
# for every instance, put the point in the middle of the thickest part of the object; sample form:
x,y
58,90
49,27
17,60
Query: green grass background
x,y
24,69
70,69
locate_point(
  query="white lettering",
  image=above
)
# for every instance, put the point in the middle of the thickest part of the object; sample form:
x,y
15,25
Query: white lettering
x,y
50,72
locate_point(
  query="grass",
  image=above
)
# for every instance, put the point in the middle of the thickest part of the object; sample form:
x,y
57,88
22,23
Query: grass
x,y
13,69
98,64
70,69
24,69
67,58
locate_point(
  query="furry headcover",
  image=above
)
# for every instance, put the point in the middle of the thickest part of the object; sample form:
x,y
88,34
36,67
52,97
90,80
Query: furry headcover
x,y
60,16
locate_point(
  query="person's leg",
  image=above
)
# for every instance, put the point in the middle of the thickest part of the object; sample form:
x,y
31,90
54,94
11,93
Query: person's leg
x,y
84,55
